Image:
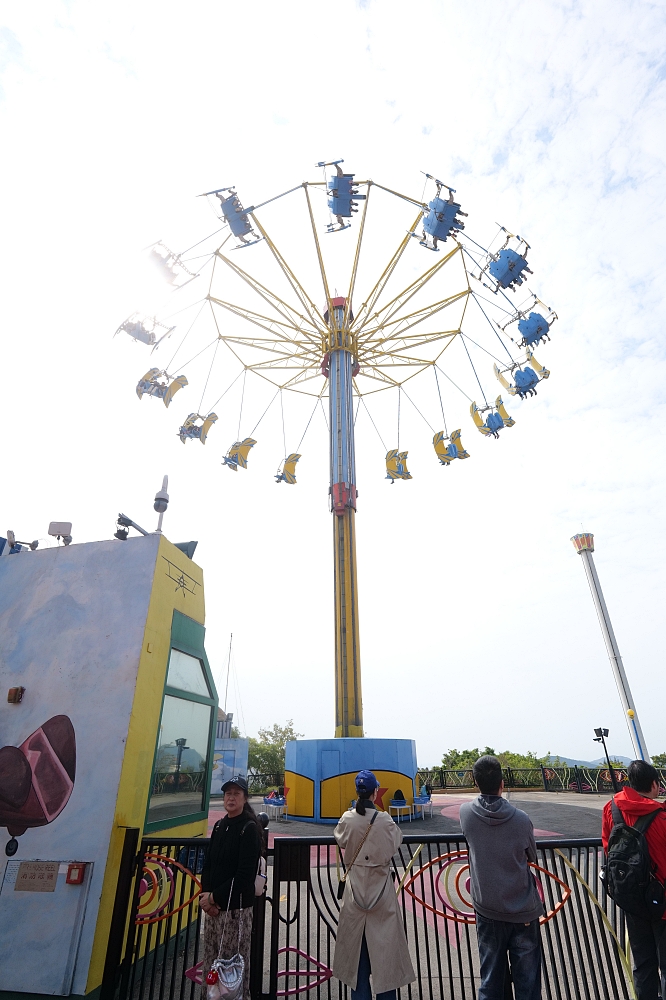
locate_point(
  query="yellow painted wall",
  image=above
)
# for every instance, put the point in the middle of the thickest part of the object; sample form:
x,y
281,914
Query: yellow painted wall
x,y
177,585
300,799
337,792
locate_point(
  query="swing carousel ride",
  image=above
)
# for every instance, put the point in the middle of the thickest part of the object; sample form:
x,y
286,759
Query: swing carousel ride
x,y
444,307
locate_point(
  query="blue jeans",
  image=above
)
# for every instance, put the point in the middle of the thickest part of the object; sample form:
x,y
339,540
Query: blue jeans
x,y
522,944
363,991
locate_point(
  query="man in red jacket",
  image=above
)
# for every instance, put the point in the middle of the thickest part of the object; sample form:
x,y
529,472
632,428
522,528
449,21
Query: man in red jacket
x,y
647,937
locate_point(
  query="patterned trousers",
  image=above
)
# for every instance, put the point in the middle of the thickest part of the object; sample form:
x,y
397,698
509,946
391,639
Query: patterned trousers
x,y
224,943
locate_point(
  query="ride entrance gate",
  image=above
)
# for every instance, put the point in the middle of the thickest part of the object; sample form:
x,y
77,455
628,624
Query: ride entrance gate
x,y
295,926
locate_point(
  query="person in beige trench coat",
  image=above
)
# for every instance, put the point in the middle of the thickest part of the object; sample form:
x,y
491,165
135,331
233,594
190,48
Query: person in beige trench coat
x,y
371,936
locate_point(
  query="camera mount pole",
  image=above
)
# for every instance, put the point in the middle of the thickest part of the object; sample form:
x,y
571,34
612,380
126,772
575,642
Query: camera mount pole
x,y
584,545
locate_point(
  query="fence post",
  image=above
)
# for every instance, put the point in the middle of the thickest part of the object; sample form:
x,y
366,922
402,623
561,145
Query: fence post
x,y
114,950
578,781
257,947
126,965
275,919
544,778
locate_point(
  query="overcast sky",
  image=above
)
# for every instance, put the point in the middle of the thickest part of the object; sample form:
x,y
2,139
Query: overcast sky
x,y
477,626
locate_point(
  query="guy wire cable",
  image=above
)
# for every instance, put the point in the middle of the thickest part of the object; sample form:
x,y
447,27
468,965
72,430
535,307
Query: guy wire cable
x,y
419,412
308,424
264,413
439,392
203,304
240,412
475,372
208,376
493,329
373,423
453,383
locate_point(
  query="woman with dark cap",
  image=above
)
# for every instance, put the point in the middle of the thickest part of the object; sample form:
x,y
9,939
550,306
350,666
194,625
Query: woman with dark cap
x,y
371,938
227,881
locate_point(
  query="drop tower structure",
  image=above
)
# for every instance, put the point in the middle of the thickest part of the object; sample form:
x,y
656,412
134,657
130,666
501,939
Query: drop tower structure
x,y
584,545
339,360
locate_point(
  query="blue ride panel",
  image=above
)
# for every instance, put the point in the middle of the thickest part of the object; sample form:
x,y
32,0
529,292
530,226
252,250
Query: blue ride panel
x,y
534,329
233,213
342,196
441,219
320,774
525,380
507,269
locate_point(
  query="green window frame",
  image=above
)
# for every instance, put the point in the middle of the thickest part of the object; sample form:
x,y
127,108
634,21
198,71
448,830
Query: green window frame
x,y
188,637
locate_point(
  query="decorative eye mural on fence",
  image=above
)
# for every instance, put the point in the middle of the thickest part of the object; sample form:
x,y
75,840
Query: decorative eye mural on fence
x,y
316,972
160,878
450,885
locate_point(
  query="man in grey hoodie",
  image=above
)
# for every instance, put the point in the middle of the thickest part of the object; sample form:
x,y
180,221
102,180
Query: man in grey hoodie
x,y
500,840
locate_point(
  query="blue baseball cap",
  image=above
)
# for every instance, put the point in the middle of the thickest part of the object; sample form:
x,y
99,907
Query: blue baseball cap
x,y
366,783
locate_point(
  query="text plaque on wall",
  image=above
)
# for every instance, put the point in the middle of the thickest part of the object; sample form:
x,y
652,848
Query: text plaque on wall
x,y
36,876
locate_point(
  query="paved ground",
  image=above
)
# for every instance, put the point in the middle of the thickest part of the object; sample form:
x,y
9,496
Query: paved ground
x,y
554,814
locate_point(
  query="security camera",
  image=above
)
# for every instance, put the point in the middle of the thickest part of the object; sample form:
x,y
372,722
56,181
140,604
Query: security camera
x,y
161,501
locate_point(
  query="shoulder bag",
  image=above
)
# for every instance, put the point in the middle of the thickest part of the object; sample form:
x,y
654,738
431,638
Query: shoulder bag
x,y
343,879
225,979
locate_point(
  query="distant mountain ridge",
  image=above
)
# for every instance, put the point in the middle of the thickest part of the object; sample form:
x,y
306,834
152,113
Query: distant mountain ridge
x,y
588,763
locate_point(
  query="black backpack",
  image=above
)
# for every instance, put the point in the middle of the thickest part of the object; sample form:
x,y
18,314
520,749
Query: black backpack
x,y
629,872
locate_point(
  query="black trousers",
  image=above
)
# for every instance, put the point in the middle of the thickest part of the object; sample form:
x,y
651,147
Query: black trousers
x,y
648,947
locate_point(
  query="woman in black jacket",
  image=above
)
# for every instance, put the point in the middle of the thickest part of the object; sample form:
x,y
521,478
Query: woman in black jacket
x,y
227,881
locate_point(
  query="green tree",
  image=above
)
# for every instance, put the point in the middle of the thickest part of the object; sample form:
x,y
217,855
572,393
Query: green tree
x,y
659,759
459,760
266,753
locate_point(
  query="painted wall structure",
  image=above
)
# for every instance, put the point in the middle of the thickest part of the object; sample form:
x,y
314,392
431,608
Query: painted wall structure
x,y
229,759
319,774
107,639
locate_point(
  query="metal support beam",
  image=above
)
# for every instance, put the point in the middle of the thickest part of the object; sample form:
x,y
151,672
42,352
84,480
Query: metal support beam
x,y
584,545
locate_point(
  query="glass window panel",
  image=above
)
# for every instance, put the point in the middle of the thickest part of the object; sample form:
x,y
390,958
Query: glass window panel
x,y
186,672
179,777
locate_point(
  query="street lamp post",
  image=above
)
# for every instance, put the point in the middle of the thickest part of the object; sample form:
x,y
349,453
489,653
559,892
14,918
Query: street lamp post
x,y
179,756
600,737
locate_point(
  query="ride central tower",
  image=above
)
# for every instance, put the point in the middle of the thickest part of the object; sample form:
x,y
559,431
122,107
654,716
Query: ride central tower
x,y
340,365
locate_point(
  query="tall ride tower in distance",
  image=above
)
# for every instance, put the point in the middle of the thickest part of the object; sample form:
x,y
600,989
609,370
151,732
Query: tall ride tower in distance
x,y
584,545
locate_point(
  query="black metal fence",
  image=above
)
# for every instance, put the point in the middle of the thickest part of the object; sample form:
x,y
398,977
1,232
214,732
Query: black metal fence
x,y
295,926
579,778
574,778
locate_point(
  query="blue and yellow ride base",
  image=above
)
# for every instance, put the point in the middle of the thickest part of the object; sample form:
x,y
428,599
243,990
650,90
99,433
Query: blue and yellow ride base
x,y
319,774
